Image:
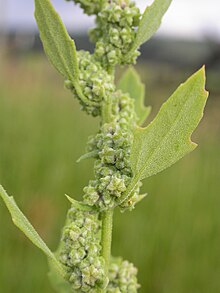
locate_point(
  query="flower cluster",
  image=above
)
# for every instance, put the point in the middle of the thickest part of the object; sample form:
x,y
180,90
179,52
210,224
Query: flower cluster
x,y
89,6
80,251
123,111
95,82
122,277
112,170
119,18
134,199
112,167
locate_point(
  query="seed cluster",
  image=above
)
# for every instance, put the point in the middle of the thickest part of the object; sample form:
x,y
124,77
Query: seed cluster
x,y
95,82
116,23
119,18
112,167
112,171
122,277
90,7
80,251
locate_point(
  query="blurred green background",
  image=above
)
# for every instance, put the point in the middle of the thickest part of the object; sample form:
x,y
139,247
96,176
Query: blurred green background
x,y
173,236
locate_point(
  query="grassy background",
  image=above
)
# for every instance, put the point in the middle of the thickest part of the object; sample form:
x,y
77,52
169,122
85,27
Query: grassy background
x,y
172,236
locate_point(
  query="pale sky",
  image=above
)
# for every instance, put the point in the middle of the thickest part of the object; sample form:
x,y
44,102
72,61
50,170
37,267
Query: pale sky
x,y
194,19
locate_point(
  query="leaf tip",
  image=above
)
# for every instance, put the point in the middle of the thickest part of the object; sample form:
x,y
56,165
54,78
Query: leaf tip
x,y
200,76
203,74
202,71
69,198
131,70
2,192
191,145
194,145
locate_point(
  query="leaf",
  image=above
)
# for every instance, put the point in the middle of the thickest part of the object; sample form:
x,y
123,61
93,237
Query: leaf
x,y
59,284
78,204
25,226
92,154
150,21
131,83
167,138
59,47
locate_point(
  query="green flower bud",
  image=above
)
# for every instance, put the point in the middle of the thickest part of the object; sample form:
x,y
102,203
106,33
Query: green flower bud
x,y
107,155
75,281
135,198
116,185
91,195
77,255
122,277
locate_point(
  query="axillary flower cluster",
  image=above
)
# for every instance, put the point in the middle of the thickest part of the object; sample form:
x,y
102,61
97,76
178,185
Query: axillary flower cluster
x,y
81,250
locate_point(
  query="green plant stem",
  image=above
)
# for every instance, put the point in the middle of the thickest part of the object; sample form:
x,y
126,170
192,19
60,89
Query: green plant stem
x,y
107,223
106,216
107,110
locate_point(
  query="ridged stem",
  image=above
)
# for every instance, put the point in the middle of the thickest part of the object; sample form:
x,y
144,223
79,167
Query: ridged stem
x,y
107,223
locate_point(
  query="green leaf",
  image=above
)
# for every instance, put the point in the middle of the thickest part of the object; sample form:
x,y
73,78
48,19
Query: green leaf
x,y
59,47
59,284
25,226
131,83
167,138
150,21
78,204
92,154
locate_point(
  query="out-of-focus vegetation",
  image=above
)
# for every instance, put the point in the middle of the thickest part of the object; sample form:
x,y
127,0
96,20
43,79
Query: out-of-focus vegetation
x,y
172,236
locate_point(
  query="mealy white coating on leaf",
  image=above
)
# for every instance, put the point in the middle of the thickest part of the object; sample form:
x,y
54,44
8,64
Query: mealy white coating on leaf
x,y
150,21
59,47
167,138
131,83
25,226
